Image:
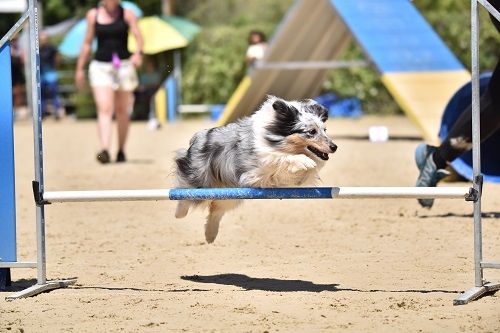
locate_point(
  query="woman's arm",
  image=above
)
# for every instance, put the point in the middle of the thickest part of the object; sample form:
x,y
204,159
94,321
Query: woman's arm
x,y
131,20
85,50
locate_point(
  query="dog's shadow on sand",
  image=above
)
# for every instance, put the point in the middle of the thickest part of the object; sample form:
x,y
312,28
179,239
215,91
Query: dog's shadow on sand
x,y
242,281
266,284
280,285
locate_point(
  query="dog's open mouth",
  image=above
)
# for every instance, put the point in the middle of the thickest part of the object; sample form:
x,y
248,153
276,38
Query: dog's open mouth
x,y
317,152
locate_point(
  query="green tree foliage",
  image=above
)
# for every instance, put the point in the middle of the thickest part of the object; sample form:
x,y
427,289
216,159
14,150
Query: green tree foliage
x,y
55,11
361,82
214,62
451,20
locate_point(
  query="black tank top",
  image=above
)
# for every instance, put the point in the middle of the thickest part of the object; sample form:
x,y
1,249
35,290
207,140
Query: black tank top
x,y
112,38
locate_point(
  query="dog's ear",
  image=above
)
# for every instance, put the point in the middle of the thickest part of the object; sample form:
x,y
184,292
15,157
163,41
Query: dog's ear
x,y
319,110
285,110
285,119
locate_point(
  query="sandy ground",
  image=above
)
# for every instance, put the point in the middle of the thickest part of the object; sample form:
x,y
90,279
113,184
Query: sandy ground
x,y
291,265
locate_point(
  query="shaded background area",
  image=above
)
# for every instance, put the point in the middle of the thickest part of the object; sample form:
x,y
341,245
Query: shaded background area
x,y
214,62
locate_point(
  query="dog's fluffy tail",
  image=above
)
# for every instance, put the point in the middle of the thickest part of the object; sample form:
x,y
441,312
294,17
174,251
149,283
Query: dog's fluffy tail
x,y
181,163
182,205
180,153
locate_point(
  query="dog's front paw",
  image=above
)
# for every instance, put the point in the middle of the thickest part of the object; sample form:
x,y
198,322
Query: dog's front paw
x,y
211,231
301,163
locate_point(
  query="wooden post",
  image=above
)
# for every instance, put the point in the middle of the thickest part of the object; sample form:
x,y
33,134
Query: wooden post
x,y
168,7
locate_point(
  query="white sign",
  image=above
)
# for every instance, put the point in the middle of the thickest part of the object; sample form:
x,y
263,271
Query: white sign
x,y
13,6
378,133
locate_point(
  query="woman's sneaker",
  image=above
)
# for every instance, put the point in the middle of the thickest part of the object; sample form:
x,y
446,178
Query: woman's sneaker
x,y
421,154
120,157
429,175
103,157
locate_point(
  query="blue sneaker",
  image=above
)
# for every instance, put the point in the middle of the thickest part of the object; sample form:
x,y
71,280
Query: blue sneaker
x,y
430,175
421,154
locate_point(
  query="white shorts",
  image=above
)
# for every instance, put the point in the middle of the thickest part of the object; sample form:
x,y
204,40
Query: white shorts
x,y
104,74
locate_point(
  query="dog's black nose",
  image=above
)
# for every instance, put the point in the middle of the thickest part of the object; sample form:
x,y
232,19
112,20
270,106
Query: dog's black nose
x,y
333,147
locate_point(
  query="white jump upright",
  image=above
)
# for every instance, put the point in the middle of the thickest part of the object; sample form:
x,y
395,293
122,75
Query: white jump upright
x,y
34,52
481,286
43,197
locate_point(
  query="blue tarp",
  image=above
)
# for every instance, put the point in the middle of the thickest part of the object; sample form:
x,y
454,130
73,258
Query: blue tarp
x,y
340,107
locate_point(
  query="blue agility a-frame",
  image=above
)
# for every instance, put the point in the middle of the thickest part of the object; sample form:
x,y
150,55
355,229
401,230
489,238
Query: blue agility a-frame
x,y
395,36
7,179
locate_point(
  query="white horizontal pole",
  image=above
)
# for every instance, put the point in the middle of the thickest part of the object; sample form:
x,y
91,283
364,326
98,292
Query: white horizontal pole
x,y
294,65
17,264
257,193
490,264
194,108
107,195
400,192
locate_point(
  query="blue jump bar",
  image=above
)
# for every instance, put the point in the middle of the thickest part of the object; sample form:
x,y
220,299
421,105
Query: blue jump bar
x,y
250,193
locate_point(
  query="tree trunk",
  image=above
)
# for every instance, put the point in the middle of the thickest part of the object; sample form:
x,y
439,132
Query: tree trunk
x,y
168,7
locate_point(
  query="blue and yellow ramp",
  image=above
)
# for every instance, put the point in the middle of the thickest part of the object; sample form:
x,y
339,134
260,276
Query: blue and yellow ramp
x,y
416,66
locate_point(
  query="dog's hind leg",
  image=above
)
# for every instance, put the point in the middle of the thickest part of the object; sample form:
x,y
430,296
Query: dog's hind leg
x,y
182,209
215,213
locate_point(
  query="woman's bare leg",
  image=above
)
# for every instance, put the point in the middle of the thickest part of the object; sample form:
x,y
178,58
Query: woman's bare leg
x,y
123,102
103,97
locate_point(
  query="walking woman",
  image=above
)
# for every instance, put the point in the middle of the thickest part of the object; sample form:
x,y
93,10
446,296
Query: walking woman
x,y
112,72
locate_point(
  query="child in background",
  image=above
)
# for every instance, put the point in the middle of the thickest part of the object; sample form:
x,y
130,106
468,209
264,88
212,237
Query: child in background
x,y
49,58
256,47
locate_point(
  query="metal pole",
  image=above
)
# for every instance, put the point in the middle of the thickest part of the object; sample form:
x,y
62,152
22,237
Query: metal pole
x,y
178,75
294,65
490,9
37,136
167,7
476,143
15,29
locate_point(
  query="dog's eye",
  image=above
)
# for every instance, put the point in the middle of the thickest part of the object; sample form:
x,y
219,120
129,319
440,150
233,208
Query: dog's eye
x,y
312,132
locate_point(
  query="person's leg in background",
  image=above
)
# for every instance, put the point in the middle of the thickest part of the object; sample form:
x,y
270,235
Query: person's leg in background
x,y
124,101
43,98
431,161
459,139
50,92
105,103
153,123
56,101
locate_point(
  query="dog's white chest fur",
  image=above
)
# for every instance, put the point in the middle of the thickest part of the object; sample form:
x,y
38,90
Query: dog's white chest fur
x,y
280,170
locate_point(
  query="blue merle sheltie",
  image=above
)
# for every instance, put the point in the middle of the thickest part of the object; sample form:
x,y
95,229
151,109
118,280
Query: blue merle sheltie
x,y
283,144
